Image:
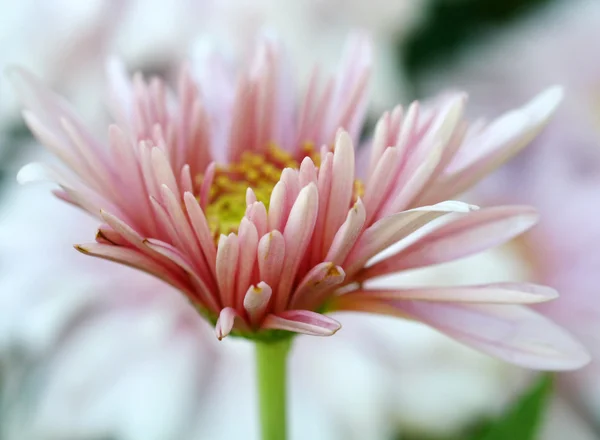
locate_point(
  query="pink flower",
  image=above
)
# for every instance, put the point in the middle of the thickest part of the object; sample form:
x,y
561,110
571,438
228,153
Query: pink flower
x,y
252,208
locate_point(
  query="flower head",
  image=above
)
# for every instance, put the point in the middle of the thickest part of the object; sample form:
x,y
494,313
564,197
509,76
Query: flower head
x,y
257,209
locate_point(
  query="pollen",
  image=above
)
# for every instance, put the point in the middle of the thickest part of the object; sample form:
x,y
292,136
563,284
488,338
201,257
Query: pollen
x,y
259,171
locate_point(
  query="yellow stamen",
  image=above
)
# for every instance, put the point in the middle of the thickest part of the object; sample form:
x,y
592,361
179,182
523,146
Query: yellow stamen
x,y
227,202
260,171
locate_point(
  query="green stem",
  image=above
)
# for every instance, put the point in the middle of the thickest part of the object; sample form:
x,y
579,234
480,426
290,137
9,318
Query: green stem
x,y
271,368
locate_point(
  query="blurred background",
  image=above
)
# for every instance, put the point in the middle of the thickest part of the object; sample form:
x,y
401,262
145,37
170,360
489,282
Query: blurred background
x,y
92,350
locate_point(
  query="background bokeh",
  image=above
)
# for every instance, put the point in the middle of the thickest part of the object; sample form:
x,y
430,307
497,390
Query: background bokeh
x,y
91,350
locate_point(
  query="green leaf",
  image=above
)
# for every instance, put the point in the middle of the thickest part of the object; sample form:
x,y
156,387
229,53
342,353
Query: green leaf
x,y
522,421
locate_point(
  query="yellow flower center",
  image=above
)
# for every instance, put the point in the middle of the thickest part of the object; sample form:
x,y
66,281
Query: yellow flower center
x,y
259,171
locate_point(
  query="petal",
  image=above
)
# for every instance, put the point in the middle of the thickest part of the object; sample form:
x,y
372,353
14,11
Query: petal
x,y
204,291
207,182
256,301
226,267
342,185
250,197
248,242
320,279
414,180
297,234
183,228
496,293
391,229
185,179
134,258
201,230
308,172
515,334
347,105
271,253
347,235
494,145
379,144
324,186
472,233
424,158
379,184
277,205
302,321
225,322
163,171
106,235
257,214
244,119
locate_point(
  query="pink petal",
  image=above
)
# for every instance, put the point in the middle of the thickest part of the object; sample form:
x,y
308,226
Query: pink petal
x,y
379,144
257,214
302,321
185,179
183,229
93,164
250,197
133,258
124,153
291,178
49,109
297,234
204,289
106,235
497,143
347,235
496,293
201,230
512,333
271,253
248,242
318,131
244,120
83,197
347,104
342,185
226,267
277,206
414,181
207,182
55,143
310,97
319,280
308,172
467,235
406,141
424,156
225,322
149,177
379,184
391,229
256,301
324,186
163,171
126,231
166,228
